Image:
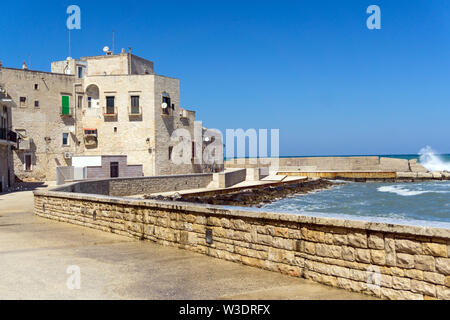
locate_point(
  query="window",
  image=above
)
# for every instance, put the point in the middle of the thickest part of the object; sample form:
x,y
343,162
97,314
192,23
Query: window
x,y
80,102
115,129
114,169
65,139
4,122
23,102
36,104
165,103
110,105
36,86
80,72
135,105
170,153
65,105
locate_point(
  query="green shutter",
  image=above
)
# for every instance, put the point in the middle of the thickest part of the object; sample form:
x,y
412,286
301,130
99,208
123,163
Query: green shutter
x,y
65,105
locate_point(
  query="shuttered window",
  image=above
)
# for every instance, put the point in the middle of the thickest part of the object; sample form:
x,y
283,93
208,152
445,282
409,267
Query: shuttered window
x,y
65,105
134,104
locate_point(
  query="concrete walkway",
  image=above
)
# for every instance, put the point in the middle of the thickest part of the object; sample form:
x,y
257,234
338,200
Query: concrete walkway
x,y
35,254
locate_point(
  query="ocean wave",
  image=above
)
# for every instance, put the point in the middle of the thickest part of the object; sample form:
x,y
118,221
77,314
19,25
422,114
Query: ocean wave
x,y
430,160
402,191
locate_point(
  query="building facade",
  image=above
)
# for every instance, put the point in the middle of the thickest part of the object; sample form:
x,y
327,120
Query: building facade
x,y
112,104
8,140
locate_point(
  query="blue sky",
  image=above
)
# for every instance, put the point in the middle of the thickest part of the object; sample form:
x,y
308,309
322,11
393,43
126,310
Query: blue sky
x,y
309,68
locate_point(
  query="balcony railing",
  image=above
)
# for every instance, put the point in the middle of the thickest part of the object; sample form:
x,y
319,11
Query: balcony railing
x,y
134,111
12,136
109,111
8,135
67,111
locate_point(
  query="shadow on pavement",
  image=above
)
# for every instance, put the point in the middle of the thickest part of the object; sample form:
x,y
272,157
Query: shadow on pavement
x,y
25,186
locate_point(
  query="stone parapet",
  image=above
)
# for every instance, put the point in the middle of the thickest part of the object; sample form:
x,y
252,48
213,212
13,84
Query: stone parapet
x,y
383,260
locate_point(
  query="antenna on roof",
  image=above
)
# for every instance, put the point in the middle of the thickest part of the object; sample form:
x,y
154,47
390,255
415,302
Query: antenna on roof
x,y
69,45
113,41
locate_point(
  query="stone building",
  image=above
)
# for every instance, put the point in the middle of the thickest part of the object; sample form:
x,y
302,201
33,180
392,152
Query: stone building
x,y
8,140
114,104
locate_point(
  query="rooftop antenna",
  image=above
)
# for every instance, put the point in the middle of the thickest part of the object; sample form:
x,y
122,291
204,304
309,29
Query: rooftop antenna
x,y
69,45
113,41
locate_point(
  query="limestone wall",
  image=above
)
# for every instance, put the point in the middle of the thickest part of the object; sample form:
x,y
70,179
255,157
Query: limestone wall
x,y
141,185
231,177
384,260
363,163
40,117
121,135
5,163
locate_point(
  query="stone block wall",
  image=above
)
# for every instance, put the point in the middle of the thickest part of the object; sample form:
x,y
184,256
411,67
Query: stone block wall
x,y
139,185
363,163
231,177
145,185
42,122
383,260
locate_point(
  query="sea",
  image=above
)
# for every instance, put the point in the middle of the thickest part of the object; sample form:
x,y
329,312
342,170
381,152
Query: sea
x,y
421,203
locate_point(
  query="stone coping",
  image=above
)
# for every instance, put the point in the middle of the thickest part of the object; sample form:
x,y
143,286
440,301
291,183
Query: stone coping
x,y
238,212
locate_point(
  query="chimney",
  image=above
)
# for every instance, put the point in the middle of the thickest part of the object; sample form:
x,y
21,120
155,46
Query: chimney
x,y
1,64
24,66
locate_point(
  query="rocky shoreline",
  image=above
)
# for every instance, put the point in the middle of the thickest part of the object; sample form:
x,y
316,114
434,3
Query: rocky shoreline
x,y
251,197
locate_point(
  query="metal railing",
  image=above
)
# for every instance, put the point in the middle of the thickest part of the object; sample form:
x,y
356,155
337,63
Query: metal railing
x,y
8,135
67,112
110,111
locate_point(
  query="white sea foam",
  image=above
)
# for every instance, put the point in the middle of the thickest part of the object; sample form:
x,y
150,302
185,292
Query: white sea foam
x,y
402,191
430,160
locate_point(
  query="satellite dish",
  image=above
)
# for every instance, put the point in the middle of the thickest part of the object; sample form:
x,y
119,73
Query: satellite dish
x,y
106,49
164,105
207,139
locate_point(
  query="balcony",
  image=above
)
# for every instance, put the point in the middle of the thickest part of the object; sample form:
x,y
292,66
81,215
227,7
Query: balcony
x,y
90,138
24,144
110,111
134,111
8,136
67,112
